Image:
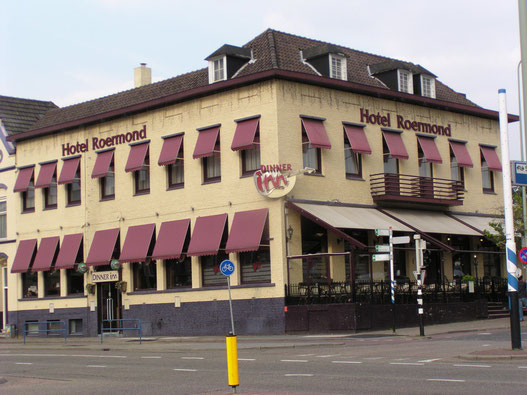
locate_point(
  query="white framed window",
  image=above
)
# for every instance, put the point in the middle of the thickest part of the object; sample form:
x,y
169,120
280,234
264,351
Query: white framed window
x,y
3,219
428,86
217,69
337,67
404,78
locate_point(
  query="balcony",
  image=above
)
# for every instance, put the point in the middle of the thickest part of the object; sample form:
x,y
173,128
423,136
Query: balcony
x,y
390,187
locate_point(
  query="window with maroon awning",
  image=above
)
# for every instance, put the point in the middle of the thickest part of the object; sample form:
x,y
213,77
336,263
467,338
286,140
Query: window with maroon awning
x,y
102,164
136,158
102,247
45,175
137,244
47,251
245,133
357,138
23,178
206,142
491,157
69,250
395,144
246,230
316,133
461,153
171,239
25,254
69,169
429,147
170,150
207,235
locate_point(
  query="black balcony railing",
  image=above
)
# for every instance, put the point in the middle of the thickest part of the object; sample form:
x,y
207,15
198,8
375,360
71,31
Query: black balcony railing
x,y
407,188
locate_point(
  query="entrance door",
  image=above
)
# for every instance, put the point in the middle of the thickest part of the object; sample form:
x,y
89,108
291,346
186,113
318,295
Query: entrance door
x,y
108,305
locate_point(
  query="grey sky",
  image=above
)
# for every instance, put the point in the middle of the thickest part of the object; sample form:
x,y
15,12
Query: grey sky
x,y
73,51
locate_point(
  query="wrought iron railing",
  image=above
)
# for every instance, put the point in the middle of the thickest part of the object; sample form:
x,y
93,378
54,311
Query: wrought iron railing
x,y
378,292
404,187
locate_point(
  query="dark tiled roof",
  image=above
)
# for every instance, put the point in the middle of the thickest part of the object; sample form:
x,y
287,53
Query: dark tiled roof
x,y
397,64
19,114
272,50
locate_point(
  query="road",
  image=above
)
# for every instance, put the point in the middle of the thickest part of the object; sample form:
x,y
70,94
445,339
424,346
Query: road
x,y
335,365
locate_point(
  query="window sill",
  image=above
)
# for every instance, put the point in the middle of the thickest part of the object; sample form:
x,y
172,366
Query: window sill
x,y
48,208
353,177
175,186
489,192
211,181
28,211
107,198
248,174
145,192
7,241
314,174
72,296
73,204
204,288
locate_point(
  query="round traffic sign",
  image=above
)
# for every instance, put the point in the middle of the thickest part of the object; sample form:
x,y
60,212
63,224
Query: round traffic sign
x,y
523,255
227,267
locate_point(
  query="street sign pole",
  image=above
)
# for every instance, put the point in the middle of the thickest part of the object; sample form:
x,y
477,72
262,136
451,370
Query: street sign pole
x,y
227,268
392,278
418,271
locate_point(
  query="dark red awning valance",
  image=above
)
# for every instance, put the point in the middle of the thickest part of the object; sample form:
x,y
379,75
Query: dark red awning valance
x,y
207,234
246,230
47,251
171,239
102,247
69,250
137,243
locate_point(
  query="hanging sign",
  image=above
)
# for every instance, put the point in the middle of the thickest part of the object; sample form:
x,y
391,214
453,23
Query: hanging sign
x,y
274,181
103,277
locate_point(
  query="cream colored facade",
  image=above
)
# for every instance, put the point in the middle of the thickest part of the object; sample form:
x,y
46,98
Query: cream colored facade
x,y
280,104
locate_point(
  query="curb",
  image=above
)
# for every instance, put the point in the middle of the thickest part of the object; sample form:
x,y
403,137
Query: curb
x,y
493,357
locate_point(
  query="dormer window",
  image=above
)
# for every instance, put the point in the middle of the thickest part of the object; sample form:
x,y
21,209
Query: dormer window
x,y
428,86
217,69
227,62
405,81
337,67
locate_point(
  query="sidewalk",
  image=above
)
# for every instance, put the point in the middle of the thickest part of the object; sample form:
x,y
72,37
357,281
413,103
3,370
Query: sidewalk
x,y
203,343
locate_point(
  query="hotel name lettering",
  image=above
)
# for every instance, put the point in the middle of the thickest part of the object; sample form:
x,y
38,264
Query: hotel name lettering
x,y
401,123
103,142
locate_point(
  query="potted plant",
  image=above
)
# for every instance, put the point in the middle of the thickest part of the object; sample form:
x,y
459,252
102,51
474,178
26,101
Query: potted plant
x,y
121,286
90,288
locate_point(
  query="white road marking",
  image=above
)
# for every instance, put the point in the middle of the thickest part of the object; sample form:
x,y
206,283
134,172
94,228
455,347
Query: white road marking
x,y
298,375
407,363
484,333
66,355
95,366
467,365
305,355
246,359
23,363
486,345
372,358
447,380
400,359
522,367
346,362
327,356
293,360
326,336
192,358
186,370
430,360
152,357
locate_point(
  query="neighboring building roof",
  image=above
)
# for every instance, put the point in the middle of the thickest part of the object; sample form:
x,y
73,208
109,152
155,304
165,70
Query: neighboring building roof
x,y
397,64
18,115
275,55
231,50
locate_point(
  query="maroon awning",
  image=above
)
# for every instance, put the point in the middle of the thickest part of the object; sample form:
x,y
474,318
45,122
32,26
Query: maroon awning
x,y
171,239
69,250
207,234
461,154
24,177
136,158
102,164
170,150
429,147
491,157
137,243
244,134
246,230
316,133
206,142
102,247
357,139
25,254
395,144
45,175
69,169
45,254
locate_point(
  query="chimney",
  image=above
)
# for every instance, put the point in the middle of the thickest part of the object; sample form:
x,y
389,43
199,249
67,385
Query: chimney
x,y
142,75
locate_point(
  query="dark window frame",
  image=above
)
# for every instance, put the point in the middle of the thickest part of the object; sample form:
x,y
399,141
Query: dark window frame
x,y
70,189
246,172
348,148
485,169
47,193
174,168
306,146
178,273
216,155
27,196
145,169
105,182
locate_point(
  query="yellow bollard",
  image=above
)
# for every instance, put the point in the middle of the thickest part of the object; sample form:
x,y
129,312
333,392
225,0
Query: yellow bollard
x,y
232,361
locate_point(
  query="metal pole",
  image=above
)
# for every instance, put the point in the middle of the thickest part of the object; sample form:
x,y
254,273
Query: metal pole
x,y
230,304
392,278
509,223
522,104
418,266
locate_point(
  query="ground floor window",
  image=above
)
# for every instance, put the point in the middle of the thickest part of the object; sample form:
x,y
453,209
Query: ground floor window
x,y
210,269
315,269
75,326
256,266
29,285
178,274
145,276
75,282
52,283
491,265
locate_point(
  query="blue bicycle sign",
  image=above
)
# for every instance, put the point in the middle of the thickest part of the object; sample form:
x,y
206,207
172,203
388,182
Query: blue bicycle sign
x,y
227,267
